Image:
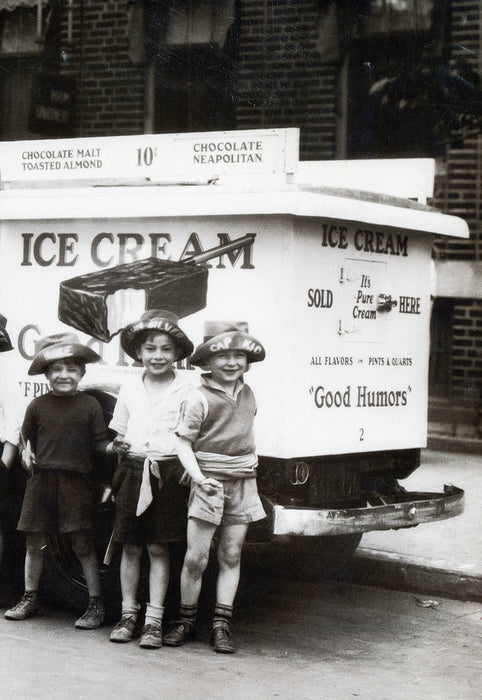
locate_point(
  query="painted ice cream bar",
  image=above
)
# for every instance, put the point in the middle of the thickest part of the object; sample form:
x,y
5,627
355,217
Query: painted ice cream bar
x,y
102,303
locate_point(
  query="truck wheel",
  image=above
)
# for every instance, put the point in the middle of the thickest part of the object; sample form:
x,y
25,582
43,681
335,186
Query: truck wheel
x,y
305,558
63,584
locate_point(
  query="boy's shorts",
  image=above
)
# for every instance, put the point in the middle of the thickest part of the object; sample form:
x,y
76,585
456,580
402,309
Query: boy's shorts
x,y
164,520
234,503
57,500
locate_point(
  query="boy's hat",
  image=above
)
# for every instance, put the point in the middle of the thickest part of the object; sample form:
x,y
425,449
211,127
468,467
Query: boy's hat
x,y
155,320
5,343
60,346
222,336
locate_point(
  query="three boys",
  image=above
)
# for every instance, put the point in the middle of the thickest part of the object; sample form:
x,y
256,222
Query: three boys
x,y
215,445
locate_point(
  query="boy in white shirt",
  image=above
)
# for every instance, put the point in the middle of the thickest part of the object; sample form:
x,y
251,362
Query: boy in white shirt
x,y
150,501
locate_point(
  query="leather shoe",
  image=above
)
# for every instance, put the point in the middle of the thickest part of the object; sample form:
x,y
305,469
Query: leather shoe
x,y
179,633
222,639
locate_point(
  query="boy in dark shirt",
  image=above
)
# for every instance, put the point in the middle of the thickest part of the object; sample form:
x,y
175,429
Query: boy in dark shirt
x,y
61,430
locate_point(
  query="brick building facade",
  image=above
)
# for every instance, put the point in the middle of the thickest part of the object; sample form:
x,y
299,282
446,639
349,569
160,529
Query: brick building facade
x,y
186,65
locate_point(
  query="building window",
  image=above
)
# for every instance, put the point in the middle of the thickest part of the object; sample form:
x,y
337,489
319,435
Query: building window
x,y
398,70
23,28
192,48
194,91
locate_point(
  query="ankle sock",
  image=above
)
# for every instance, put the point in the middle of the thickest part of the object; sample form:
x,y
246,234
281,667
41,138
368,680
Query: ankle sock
x,y
222,614
131,610
153,614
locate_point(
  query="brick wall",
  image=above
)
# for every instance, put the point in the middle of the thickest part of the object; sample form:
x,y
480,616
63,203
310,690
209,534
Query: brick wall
x,y
283,80
467,355
461,191
110,89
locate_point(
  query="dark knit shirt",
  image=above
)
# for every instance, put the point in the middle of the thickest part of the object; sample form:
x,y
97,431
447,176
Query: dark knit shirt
x,y
65,431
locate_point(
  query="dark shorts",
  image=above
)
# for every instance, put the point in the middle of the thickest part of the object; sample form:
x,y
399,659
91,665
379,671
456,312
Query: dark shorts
x,y
5,487
57,500
165,520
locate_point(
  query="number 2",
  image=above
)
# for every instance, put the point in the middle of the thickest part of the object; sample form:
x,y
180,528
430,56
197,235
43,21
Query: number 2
x,y
362,434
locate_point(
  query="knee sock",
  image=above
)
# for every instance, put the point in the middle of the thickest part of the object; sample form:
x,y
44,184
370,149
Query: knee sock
x,y
188,614
153,615
222,614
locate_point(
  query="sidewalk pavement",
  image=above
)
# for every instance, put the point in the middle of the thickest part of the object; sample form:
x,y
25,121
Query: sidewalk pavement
x,y
443,558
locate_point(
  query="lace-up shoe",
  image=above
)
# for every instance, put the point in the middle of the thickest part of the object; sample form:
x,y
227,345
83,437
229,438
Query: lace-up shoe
x,y
93,616
151,637
222,639
26,607
124,629
180,633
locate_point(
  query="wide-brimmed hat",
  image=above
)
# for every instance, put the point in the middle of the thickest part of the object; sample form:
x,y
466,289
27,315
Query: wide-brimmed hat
x,y
155,320
223,336
60,346
5,343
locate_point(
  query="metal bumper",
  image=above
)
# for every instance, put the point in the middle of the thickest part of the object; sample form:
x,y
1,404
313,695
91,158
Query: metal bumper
x,y
416,508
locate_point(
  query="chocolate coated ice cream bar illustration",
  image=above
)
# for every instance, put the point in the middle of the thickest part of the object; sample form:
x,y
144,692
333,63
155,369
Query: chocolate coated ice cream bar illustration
x,y
102,303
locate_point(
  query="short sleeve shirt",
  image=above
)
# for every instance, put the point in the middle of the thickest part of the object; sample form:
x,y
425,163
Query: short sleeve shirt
x,y
148,425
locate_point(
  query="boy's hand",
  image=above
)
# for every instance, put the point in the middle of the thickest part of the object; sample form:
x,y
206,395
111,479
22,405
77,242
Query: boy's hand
x,y
209,485
120,446
185,479
28,457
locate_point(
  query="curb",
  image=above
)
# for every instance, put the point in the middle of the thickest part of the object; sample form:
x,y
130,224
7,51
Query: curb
x,y
397,572
447,443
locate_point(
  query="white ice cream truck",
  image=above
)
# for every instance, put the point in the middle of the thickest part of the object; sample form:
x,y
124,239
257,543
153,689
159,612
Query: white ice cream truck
x,y
329,264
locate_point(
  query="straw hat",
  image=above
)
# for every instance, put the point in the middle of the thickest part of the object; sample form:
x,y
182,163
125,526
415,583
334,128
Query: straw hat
x,y
155,320
60,346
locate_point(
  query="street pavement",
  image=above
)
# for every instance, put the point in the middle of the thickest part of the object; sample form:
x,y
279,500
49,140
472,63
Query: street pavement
x,y
441,558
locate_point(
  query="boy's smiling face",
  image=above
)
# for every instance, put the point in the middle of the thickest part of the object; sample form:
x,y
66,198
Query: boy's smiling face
x,y
64,376
157,353
227,367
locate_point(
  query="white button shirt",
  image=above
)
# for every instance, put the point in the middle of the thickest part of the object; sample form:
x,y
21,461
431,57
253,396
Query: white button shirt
x,y
12,410
148,424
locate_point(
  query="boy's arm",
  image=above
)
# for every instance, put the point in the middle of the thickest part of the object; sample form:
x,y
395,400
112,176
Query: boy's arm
x,y
27,438
119,445
8,454
189,462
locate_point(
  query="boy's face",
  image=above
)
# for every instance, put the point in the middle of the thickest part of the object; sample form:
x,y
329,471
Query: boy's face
x,y
227,367
64,376
158,353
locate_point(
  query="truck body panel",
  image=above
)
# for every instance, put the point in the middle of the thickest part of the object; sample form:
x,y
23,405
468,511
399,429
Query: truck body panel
x,y
335,283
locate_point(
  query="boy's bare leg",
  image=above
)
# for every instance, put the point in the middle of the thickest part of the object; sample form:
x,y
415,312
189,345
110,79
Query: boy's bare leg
x,y
34,560
27,605
230,548
130,569
158,573
199,538
83,547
